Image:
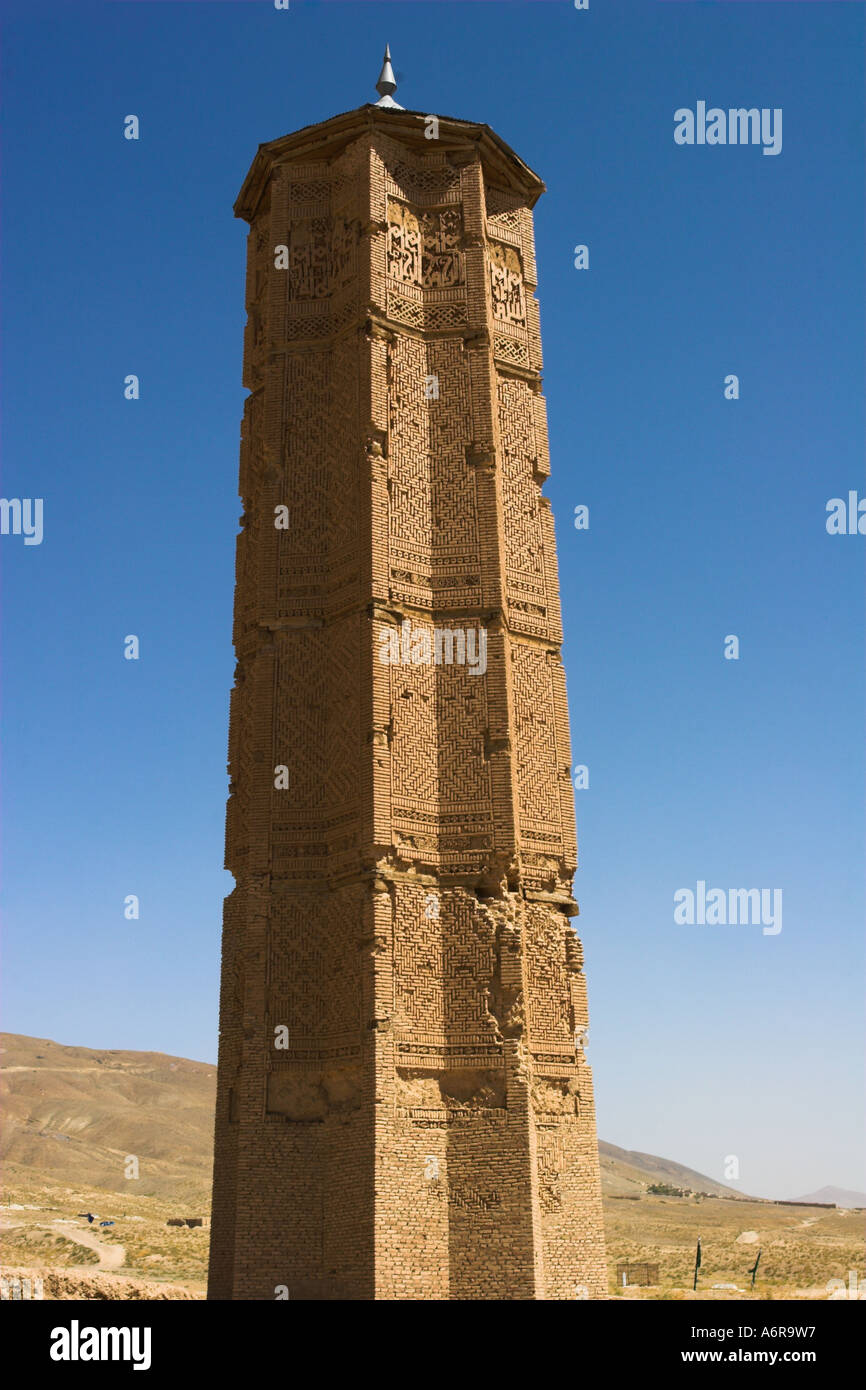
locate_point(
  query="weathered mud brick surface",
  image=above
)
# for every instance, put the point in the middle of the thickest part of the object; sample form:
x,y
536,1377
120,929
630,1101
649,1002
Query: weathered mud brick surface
x,y
404,1108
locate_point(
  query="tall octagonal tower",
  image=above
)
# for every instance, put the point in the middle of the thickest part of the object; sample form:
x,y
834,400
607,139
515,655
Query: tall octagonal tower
x,y
404,1109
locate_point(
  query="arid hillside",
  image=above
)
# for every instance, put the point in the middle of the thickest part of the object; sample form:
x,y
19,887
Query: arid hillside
x,y
77,1116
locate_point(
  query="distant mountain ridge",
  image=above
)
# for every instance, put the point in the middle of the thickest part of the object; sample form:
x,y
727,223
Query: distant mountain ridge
x,y
627,1172
76,1114
839,1196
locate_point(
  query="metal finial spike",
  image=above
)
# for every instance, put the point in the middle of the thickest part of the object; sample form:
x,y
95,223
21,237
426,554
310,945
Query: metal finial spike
x,y
387,83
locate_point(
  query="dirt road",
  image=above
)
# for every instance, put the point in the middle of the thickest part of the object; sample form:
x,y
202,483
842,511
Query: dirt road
x,y
110,1256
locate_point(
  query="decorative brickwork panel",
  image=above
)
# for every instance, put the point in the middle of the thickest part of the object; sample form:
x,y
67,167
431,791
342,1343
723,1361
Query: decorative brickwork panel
x,y
536,743
444,965
524,537
313,984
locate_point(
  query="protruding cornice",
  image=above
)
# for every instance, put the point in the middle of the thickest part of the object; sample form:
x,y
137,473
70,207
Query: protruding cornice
x,y
327,139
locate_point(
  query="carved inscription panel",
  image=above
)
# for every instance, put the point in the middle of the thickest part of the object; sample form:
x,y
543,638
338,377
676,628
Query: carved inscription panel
x,y
424,245
506,284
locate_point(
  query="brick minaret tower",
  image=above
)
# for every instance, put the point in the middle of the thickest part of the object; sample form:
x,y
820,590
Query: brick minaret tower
x,y
404,1110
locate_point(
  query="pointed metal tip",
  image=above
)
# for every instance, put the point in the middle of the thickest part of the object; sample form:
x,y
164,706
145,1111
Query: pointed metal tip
x,y
387,83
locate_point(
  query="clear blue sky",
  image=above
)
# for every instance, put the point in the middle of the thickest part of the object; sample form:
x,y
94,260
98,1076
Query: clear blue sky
x,y
707,516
